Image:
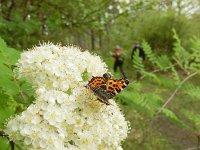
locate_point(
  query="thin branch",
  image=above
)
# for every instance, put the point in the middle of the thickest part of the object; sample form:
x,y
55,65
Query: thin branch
x,y
167,102
174,93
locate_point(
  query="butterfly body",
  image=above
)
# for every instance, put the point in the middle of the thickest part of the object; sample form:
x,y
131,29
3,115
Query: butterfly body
x,y
106,88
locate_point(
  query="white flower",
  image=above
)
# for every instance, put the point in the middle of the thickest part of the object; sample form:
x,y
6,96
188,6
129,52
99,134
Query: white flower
x,y
64,115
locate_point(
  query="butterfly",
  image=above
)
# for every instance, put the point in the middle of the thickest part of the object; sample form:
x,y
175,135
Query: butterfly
x,y
106,88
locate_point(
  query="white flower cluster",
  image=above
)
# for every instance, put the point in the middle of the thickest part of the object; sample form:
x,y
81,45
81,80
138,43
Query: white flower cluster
x,y
65,116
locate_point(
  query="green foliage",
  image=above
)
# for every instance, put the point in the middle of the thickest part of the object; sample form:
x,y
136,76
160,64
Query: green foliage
x,y
138,65
194,60
149,53
180,54
195,118
166,82
172,116
163,62
4,143
187,60
175,74
15,94
193,91
8,58
138,62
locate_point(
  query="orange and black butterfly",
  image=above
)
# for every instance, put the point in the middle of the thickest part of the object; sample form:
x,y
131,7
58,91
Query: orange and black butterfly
x,y
106,88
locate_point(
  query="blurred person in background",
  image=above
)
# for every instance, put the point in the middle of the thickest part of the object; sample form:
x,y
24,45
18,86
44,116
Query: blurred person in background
x,y
119,60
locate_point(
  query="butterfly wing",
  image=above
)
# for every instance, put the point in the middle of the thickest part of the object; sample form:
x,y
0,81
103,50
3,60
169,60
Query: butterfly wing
x,y
98,86
115,86
101,94
105,88
97,82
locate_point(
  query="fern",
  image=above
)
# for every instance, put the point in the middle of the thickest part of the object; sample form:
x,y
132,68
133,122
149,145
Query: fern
x,y
150,55
181,56
185,59
154,101
193,63
167,82
175,74
146,103
195,118
135,100
193,91
164,62
139,66
171,76
171,116
152,77
138,62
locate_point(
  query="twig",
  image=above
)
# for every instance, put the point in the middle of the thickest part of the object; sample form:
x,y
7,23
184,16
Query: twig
x,y
167,102
175,91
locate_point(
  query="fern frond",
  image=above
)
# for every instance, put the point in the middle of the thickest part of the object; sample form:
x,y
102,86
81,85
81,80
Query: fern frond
x,y
154,101
163,62
193,91
152,77
167,83
194,59
175,74
181,56
138,62
149,54
172,117
138,102
195,118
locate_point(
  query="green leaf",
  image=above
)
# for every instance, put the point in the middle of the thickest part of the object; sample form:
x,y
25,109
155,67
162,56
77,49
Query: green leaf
x,y
8,56
5,71
5,113
8,85
4,98
2,43
4,144
7,108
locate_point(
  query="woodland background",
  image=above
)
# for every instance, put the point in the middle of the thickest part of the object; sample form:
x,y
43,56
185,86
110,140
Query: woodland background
x,y
163,106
